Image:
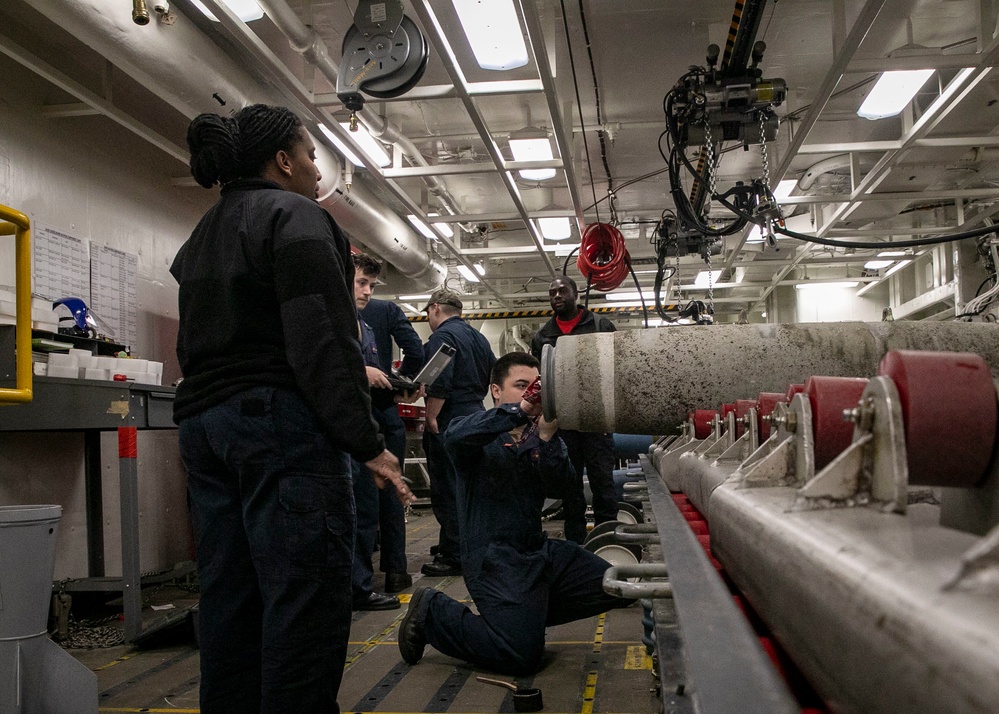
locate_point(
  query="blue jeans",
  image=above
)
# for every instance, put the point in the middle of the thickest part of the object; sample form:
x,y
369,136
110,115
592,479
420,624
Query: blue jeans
x,y
518,594
273,517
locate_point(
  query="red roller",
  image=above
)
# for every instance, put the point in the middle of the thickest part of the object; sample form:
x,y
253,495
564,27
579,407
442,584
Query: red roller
x,y
742,407
829,396
792,390
949,409
702,422
765,403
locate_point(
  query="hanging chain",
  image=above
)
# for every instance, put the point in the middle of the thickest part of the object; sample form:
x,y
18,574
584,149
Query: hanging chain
x,y
709,148
711,283
763,149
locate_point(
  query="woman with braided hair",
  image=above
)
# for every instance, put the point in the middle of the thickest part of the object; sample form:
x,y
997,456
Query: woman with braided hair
x,y
273,404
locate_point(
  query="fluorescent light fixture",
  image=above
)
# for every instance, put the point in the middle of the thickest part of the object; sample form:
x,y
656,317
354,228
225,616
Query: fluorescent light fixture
x,y
443,227
414,298
701,281
892,254
877,264
626,297
532,145
558,228
784,188
467,274
493,32
421,227
833,285
892,93
891,271
245,10
371,148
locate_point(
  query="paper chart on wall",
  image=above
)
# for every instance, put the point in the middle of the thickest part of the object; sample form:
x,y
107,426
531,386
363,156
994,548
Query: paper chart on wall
x,y
60,264
113,295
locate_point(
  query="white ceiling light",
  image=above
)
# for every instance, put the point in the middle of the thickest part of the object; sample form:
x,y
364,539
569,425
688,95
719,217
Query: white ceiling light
x,y
701,281
245,10
834,285
415,298
892,93
372,148
892,254
784,188
468,274
421,227
532,145
558,228
877,264
625,297
443,227
493,32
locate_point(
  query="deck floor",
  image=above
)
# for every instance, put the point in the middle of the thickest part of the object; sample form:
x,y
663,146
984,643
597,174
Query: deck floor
x,y
593,665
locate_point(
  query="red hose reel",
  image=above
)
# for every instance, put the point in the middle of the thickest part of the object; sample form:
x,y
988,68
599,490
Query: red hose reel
x,y
603,259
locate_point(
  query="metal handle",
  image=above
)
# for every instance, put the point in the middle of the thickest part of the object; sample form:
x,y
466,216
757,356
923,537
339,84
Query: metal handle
x,y
638,486
615,582
18,224
497,682
637,533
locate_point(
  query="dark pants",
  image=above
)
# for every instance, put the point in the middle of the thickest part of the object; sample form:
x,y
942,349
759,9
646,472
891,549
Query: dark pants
x,y
273,517
518,595
596,453
366,505
443,481
391,513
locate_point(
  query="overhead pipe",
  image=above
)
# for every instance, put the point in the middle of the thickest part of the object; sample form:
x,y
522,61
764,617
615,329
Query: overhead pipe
x,y
186,69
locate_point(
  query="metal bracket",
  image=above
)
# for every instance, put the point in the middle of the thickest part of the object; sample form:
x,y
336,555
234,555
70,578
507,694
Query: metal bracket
x,y
616,583
873,467
745,444
787,458
644,533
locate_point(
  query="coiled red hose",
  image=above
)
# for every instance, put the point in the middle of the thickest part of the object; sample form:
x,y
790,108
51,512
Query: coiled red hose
x,y
603,259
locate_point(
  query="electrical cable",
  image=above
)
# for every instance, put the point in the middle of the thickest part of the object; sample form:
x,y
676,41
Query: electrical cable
x,y
914,243
600,120
645,311
565,265
579,104
603,258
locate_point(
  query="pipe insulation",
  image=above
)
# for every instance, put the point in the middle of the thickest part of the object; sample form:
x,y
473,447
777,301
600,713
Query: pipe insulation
x,y
647,381
186,69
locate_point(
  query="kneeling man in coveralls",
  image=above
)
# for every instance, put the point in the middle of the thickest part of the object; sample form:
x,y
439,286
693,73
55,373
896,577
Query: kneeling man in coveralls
x,y
507,460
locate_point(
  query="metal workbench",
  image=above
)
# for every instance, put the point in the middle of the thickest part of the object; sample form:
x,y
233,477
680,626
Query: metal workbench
x,y
92,407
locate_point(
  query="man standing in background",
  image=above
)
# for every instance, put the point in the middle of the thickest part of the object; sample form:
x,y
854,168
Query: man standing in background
x,y
458,391
594,451
388,323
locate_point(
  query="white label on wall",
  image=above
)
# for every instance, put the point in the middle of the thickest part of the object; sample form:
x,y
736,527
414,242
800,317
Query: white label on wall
x,y
60,264
113,296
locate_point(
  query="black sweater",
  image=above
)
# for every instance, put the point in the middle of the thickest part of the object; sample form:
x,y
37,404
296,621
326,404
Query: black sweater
x,y
587,325
267,299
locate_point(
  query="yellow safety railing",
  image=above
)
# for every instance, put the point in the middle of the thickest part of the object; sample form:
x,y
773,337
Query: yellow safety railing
x,y
17,224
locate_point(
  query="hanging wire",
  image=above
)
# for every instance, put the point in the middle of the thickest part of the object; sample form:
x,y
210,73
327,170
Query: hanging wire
x,y
579,104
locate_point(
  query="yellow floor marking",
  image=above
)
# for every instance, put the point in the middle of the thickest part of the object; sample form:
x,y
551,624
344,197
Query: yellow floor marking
x,y
370,644
112,663
589,693
637,658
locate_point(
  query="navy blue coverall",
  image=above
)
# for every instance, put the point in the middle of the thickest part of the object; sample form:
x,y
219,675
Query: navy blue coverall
x,y
463,385
521,581
388,322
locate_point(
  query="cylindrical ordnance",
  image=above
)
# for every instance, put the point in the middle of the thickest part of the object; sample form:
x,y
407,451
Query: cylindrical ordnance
x,y
647,381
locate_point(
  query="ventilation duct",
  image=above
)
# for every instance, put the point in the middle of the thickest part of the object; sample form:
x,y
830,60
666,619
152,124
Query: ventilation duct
x,y
184,68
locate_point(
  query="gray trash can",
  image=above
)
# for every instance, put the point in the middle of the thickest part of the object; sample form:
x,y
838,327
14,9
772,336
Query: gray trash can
x,y
36,675
27,557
